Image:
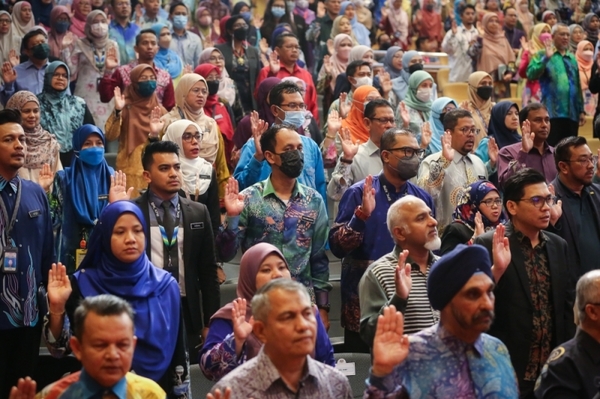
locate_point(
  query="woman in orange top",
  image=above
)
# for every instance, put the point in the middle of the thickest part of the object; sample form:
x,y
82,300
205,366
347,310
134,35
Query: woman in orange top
x,y
354,122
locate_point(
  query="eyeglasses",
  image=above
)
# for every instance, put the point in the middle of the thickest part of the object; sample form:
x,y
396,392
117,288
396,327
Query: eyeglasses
x,y
466,130
584,161
384,121
294,106
410,152
238,26
491,202
538,201
187,137
215,59
197,90
61,75
5,21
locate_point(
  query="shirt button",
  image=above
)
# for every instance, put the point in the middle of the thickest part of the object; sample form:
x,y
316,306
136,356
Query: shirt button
x,y
20,245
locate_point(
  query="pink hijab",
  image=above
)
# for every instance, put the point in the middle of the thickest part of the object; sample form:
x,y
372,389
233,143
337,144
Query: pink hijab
x,y
78,20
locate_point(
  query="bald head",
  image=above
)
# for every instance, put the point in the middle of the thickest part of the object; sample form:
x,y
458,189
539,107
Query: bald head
x,y
587,295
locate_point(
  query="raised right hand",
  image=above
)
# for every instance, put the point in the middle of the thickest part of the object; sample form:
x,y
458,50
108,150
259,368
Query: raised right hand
x,y
14,57
524,44
59,288
391,345
111,61
156,122
368,197
404,114
119,99
46,177
402,276
241,328
344,106
548,45
25,389
447,150
274,62
454,27
233,200
9,74
526,137
328,65
349,147
334,122
258,127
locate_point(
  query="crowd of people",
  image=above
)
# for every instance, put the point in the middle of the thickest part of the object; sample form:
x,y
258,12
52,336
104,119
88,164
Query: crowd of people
x,y
468,231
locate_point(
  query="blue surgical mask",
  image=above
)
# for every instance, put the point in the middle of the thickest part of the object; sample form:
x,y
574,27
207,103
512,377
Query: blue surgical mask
x,y
146,88
61,27
92,156
278,12
180,21
295,118
246,15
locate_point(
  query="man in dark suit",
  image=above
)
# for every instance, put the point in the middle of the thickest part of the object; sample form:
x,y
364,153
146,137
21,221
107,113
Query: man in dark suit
x,y
579,224
181,240
534,296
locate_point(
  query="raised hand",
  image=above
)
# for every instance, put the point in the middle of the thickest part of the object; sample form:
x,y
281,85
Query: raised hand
x,y
119,99
187,69
391,345
500,252
328,65
139,13
68,39
402,276
258,127
548,46
264,46
233,200
454,27
447,150
404,114
111,61
25,389
344,105
556,208
385,82
349,147
46,177
479,227
368,197
218,395
118,188
14,58
527,137
464,105
9,74
241,328
321,10
330,47
426,134
59,288
524,44
274,62
493,151
334,122
156,123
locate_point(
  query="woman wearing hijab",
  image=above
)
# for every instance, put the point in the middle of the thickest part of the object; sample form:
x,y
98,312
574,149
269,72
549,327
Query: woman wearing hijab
x,y
42,146
591,26
585,61
87,64
302,10
396,24
480,103
276,13
226,347
134,119
116,263
9,40
357,53
333,65
62,113
392,63
439,108
577,34
532,92
199,178
23,19
59,37
203,27
479,210
524,16
415,109
190,98
80,193
354,122
227,89
341,24
411,62
360,32
504,125
81,9
166,58
41,11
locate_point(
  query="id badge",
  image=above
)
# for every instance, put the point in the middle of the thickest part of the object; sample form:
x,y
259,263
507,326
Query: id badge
x,y
9,260
98,83
79,255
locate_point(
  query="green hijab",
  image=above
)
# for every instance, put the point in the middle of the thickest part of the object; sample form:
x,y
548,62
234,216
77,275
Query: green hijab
x,y
416,78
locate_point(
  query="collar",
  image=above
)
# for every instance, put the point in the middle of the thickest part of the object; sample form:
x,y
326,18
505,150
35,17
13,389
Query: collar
x,y
271,374
90,388
28,64
570,193
458,157
589,344
268,189
371,148
244,44
509,29
116,24
390,186
473,28
456,345
523,239
430,259
158,201
185,34
12,184
547,149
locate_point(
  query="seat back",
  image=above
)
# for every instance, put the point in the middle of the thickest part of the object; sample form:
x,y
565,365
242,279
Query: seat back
x,y
456,91
362,363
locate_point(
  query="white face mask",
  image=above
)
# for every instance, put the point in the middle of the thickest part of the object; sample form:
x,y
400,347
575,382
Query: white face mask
x,y
364,81
424,95
587,55
99,29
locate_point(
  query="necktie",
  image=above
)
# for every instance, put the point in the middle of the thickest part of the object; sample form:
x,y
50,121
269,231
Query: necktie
x,y
168,221
170,253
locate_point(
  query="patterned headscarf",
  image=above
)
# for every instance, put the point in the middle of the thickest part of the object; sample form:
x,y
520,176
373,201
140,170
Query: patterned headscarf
x,y
468,206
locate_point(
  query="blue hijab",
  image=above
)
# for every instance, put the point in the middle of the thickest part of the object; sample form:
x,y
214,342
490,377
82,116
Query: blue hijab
x,y
437,127
152,292
166,58
84,182
497,128
388,62
400,84
361,33
469,206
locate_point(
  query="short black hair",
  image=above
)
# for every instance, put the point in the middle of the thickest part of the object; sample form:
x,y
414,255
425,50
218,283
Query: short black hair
x,y
466,7
524,113
355,66
112,3
143,32
280,39
157,147
175,5
29,35
514,188
8,115
276,93
102,305
268,140
372,106
562,151
388,139
451,118
508,8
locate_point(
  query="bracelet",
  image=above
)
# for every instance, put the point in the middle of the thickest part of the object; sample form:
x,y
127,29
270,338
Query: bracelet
x,y
56,314
330,137
346,161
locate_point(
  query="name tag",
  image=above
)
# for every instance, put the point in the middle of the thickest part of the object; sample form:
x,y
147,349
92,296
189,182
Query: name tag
x,y
219,116
197,225
34,214
307,219
205,177
347,369
481,177
103,197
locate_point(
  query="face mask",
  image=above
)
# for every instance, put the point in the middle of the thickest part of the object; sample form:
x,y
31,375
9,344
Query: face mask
x,y
61,27
294,118
344,52
246,15
292,163
485,92
100,29
205,21
41,51
364,81
278,12
424,95
146,88
213,87
429,7
180,21
94,8
303,4
290,5
414,68
407,168
587,55
92,156
240,33
385,46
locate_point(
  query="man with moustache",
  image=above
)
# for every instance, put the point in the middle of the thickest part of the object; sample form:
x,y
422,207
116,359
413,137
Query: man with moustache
x,y
534,298
358,236
399,278
533,151
453,358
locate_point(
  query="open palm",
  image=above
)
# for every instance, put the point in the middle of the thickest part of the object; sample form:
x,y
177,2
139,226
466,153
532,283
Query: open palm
x,y
390,346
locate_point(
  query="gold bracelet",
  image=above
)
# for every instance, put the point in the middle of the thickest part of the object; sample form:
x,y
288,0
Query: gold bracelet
x,y
56,314
330,137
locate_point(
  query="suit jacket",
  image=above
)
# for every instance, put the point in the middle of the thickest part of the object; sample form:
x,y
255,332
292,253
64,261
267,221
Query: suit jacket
x,y
253,64
567,229
513,324
201,283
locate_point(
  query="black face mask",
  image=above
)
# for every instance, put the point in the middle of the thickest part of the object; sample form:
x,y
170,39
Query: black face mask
x,y
385,46
485,92
240,33
292,163
213,86
414,68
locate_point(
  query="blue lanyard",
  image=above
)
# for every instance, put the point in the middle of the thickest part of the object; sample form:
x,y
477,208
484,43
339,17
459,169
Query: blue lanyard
x,y
168,243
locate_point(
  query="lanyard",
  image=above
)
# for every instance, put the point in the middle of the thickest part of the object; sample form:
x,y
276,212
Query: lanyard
x,y
383,181
168,243
485,125
14,214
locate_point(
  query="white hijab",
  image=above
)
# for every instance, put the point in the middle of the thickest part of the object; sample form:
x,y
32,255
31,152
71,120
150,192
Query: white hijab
x,y
196,172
